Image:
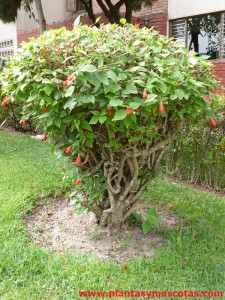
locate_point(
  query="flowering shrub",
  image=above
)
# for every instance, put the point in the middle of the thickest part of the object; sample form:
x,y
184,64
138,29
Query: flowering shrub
x,y
110,98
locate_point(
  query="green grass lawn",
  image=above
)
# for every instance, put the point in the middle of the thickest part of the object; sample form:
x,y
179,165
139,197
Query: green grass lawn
x,y
27,271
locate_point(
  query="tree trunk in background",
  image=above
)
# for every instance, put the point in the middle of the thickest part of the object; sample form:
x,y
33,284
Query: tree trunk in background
x,y
40,15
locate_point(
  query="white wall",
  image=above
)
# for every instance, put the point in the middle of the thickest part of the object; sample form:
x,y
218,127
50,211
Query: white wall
x,y
7,34
186,8
54,11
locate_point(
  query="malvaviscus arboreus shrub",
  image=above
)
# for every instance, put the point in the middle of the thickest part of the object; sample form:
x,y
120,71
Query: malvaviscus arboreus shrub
x,y
113,96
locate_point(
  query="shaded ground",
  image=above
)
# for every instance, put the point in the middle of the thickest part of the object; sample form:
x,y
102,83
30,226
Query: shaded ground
x,y
53,225
196,186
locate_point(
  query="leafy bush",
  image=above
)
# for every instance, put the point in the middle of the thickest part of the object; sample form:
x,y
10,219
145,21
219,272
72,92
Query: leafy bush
x,y
112,98
150,220
198,153
11,115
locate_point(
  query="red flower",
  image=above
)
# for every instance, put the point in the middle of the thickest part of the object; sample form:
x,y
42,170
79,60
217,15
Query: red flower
x,y
70,77
137,110
109,110
184,263
68,149
8,76
44,138
66,83
137,25
63,170
207,98
145,94
44,108
77,182
125,267
25,123
129,110
5,101
171,206
57,49
161,108
47,51
78,160
212,122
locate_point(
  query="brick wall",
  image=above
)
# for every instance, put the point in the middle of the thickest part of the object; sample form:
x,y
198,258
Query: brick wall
x,y
25,35
219,69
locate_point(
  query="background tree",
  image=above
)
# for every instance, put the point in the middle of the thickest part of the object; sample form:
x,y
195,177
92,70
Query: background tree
x,y
9,9
112,10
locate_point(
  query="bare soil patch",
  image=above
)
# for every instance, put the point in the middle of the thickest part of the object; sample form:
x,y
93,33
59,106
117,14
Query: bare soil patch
x,y
12,130
54,225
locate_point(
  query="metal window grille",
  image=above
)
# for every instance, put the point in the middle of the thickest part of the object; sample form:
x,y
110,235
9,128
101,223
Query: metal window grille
x,y
178,31
223,37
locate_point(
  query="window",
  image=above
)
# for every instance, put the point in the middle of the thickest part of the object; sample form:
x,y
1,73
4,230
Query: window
x,y
74,5
203,34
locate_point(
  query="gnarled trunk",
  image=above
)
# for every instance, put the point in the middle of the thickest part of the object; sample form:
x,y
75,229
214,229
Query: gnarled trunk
x,y
128,171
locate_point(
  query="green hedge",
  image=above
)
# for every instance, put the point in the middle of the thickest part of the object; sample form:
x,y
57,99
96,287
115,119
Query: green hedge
x,y
198,154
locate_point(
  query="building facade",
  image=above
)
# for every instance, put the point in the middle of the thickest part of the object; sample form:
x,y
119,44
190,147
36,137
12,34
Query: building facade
x,y
8,41
199,26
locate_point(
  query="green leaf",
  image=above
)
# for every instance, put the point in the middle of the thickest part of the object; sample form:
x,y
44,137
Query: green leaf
x,y
50,121
45,115
94,120
100,61
102,119
88,99
48,89
123,21
131,88
91,77
162,87
146,226
152,211
71,103
154,221
85,125
137,216
114,144
134,139
102,77
173,97
97,20
88,68
112,75
120,115
134,105
32,97
58,95
23,86
68,119
58,122
180,94
70,91
115,102
21,77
